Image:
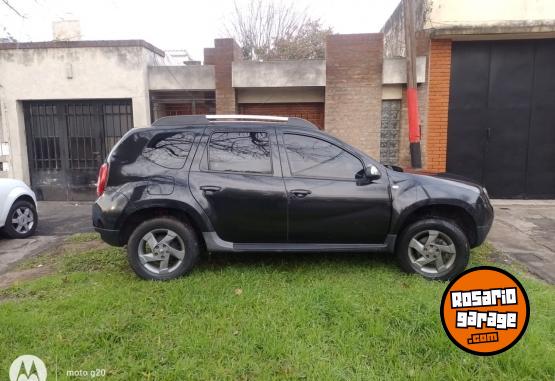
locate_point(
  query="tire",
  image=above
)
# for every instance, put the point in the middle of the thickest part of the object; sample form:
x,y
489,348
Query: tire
x,y
427,244
172,254
27,218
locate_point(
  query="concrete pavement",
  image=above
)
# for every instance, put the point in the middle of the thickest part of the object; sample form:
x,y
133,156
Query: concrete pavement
x,y
57,220
524,230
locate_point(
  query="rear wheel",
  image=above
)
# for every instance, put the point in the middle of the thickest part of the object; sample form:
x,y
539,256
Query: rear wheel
x,y
22,220
162,249
434,248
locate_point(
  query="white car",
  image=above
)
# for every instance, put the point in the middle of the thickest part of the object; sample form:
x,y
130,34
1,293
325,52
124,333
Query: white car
x,y
18,209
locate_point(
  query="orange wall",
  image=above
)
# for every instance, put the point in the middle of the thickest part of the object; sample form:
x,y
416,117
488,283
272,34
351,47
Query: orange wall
x,y
438,104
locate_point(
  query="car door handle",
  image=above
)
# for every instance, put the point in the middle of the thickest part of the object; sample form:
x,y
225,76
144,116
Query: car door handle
x,y
210,188
300,193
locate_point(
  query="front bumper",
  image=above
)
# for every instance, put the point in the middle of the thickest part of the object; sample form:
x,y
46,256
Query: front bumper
x,y
481,234
486,221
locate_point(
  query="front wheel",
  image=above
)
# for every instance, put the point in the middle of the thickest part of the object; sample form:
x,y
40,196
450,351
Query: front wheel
x,y
22,220
162,249
434,248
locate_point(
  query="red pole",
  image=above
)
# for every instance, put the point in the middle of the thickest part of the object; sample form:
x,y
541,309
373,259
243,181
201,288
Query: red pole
x,y
414,118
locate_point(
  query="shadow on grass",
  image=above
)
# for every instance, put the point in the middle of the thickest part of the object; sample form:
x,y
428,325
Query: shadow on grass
x,y
218,261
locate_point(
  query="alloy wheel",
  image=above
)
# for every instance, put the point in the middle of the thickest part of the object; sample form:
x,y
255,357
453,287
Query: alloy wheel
x,y
161,251
432,252
23,220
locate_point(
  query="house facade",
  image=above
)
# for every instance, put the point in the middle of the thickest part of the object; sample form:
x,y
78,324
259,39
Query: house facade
x,y
488,105
64,104
485,85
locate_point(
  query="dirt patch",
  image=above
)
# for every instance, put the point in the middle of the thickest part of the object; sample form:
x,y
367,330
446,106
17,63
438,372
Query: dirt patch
x,y
69,246
45,262
8,279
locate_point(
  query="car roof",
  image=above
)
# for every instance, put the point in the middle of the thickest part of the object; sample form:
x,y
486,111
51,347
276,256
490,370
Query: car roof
x,y
232,121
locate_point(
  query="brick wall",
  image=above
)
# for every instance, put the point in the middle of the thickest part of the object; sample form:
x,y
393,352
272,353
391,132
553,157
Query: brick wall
x,y
225,51
311,111
439,76
354,64
209,56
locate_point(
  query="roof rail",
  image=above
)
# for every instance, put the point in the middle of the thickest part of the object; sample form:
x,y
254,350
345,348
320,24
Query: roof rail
x,y
248,117
190,120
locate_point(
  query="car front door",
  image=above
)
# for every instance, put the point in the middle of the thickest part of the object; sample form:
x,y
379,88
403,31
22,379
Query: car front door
x,y
326,204
238,183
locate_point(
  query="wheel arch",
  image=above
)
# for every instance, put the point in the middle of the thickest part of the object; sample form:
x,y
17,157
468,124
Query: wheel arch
x,y
176,210
26,197
449,211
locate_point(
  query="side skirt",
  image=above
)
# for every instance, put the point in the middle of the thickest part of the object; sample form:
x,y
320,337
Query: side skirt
x,y
215,243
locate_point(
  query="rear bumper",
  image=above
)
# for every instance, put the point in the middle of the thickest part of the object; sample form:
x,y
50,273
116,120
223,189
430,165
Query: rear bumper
x,y
105,212
111,237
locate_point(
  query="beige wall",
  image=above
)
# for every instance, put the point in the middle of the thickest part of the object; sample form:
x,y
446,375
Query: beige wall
x,y
68,73
391,92
470,20
445,13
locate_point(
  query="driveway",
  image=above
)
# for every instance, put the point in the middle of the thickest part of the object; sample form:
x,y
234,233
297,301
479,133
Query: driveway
x,y
57,220
525,232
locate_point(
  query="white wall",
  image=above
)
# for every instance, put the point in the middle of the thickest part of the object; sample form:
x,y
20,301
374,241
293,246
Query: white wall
x,y
44,74
395,70
194,77
289,73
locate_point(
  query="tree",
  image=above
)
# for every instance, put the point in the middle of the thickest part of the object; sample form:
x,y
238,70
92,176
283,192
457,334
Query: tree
x,y
14,10
267,30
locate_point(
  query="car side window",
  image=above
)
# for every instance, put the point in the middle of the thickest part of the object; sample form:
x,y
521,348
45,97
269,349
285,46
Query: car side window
x,y
240,152
169,149
313,157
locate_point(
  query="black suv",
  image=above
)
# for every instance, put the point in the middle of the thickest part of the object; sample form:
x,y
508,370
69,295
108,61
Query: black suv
x,y
246,183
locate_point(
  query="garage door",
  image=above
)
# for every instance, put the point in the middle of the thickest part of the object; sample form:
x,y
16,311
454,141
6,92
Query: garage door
x,y
313,112
502,116
67,142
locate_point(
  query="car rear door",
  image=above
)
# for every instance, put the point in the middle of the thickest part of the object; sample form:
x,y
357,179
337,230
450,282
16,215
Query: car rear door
x,y
239,184
326,204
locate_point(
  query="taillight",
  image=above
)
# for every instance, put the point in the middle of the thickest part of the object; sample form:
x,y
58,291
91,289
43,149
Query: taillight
x,y
102,179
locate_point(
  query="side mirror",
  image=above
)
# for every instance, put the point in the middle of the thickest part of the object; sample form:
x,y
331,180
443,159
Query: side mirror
x,y
372,173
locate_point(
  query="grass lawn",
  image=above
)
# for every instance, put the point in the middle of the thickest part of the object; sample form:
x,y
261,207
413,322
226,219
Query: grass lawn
x,y
263,316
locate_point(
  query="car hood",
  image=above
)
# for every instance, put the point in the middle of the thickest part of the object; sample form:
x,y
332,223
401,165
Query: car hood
x,y
439,185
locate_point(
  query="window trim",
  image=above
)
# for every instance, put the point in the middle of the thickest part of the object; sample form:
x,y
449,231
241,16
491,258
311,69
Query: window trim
x,y
291,175
226,131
